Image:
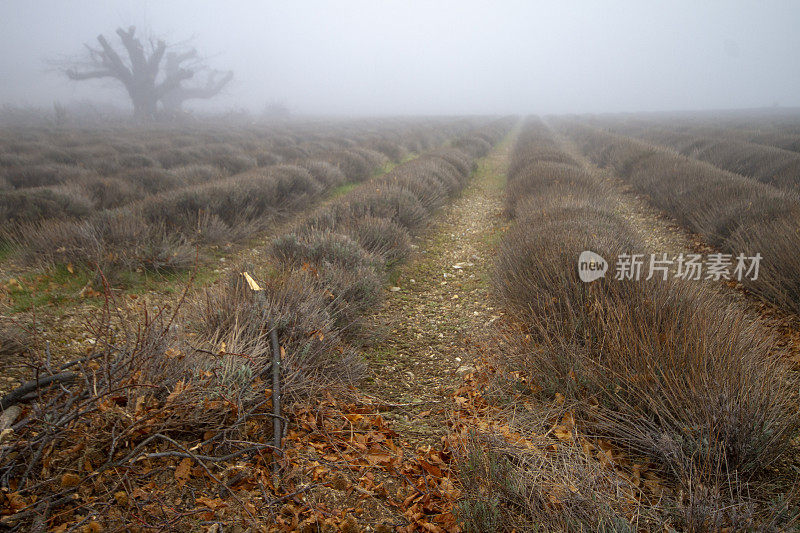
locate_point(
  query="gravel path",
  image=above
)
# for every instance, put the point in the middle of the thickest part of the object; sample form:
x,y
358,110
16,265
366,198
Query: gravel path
x,y
439,307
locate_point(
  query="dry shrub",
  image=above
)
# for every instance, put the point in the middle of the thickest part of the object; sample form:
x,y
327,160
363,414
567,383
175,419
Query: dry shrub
x,y
513,488
43,175
354,294
381,237
174,157
14,340
63,157
301,313
680,377
321,248
768,164
33,205
391,149
431,178
353,164
265,158
670,369
534,144
106,166
211,229
475,146
297,177
422,184
150,180
344,270
11,161
151,395
440,169
394,203
289,153
247,202
349,245
111,240
463,163
728,210
59,241
162,211
229,158
324,173
108,193
778,241
196,174
538,177
373,158
536,257
136,161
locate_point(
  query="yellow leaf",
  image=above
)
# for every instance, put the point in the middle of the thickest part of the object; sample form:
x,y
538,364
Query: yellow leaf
x,y
562,433
180,386
70,268
251,282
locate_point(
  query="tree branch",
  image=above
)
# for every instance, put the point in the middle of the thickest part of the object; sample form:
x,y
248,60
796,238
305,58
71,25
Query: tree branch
x,y
75,75
134,48
114,63
172,82
154,62
213,87
174,60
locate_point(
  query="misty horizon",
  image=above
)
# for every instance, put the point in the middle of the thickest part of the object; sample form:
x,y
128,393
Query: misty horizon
x,y
389,58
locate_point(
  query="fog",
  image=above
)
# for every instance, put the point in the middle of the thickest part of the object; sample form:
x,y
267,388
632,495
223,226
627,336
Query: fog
x,y
443,57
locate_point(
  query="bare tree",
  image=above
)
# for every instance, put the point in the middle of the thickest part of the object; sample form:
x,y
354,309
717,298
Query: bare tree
x,y
144,73
215,81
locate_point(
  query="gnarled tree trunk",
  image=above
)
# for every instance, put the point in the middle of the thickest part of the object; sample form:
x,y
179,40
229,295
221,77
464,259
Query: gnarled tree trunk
x,y
139,73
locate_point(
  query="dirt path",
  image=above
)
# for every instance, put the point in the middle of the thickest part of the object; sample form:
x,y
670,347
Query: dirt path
x,y
384,453
439,307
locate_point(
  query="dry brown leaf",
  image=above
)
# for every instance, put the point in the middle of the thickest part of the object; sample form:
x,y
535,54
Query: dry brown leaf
x,y
183,471
69,480
433,470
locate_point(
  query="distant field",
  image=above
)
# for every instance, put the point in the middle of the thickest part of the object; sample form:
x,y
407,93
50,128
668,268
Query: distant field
x,y
130,198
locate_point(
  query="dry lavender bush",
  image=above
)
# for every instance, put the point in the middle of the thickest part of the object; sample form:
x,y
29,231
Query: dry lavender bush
x,y
768,164
669,371
131,198
732,213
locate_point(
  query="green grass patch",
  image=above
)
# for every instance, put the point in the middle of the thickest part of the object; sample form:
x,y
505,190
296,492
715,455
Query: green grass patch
x,y
163,282
60,286
343,189
52,288
6,250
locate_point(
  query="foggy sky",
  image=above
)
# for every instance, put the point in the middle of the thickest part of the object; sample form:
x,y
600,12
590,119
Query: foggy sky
x,y
434,57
